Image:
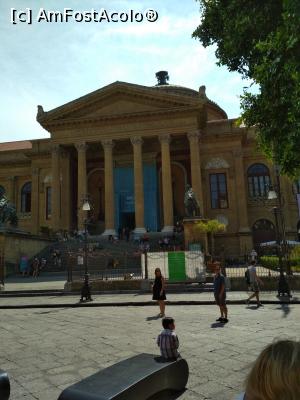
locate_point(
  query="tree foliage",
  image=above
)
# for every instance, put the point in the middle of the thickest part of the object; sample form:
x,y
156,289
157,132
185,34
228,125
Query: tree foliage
x,y
7,212
260,39
211,226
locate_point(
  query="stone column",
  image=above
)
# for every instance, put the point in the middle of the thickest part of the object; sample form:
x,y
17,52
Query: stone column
x,y
35,204
81,183
166,182
11,195
138,184
241,191
55,189
65,182
196,166
245,236
109,188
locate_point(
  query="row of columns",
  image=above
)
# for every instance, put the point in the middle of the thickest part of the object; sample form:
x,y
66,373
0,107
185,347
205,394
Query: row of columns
x,y
137,143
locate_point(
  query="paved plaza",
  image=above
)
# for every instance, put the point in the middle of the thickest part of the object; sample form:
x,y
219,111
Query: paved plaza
x,y
46,350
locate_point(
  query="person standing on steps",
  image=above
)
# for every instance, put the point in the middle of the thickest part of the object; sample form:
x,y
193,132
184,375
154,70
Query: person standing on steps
x,y
158,290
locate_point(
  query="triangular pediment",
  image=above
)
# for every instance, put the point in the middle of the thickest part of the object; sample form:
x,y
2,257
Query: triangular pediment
x,y
118,99
119,104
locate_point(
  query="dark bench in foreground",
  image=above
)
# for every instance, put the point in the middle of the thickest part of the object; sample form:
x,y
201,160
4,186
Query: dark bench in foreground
x,y
4,385
136,378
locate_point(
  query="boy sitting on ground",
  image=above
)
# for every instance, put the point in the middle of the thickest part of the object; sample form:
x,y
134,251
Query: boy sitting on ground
x,y
167,340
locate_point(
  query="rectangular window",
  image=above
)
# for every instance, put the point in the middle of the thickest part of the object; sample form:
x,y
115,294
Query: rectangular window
x,y
48,202
218,191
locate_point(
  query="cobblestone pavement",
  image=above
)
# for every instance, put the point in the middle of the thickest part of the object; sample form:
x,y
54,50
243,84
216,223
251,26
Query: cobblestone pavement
x,y
46,350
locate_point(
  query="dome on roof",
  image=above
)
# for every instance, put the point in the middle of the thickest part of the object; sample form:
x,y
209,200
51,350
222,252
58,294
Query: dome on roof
x,y
214,110
177,89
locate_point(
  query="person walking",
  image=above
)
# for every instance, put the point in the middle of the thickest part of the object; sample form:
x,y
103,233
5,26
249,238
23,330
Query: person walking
x,y
158,290
254,283
220,293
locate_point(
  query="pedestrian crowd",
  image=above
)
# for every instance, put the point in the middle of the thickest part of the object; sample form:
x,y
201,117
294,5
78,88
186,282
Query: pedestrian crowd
x,y
33,268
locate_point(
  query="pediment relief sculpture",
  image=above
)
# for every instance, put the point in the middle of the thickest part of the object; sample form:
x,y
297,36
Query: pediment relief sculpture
x,y
216,163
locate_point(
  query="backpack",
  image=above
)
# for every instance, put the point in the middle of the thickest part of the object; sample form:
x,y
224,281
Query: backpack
x,y
247,276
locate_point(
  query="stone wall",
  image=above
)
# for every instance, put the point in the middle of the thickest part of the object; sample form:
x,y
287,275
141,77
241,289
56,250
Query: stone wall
x,y
235,284
105,286
15,244
269,283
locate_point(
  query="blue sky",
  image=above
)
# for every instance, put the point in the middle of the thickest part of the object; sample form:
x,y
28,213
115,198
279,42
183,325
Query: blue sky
x,y
53,63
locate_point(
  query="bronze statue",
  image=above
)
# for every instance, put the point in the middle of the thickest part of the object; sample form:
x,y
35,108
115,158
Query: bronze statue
x,y
7,212
192,207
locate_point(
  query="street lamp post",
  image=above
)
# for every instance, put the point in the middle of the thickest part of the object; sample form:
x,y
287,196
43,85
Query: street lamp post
x,y
86,289
274,193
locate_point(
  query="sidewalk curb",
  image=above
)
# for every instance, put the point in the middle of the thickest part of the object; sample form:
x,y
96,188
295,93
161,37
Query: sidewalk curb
x,y
139,304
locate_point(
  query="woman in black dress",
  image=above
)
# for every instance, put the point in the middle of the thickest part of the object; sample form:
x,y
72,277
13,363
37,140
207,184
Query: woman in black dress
x,y
159,293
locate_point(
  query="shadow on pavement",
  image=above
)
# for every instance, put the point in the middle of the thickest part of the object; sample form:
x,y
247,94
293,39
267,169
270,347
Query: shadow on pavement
x,y
56,310
167,395
217,325
152,318
285,308
253,307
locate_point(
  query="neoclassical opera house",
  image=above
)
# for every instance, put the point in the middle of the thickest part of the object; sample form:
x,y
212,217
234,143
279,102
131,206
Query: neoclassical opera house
x,y
132,149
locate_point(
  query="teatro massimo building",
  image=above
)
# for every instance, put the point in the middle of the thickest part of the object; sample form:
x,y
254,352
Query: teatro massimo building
x,y
132,149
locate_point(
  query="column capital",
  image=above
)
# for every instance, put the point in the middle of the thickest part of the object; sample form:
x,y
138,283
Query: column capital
x,y
35,171
55,149
136,140
165,138
64,153
237,153
81,146
194,135
107,143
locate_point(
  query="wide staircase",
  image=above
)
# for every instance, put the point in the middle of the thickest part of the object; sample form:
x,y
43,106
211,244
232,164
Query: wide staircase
x,y
106,258
111,259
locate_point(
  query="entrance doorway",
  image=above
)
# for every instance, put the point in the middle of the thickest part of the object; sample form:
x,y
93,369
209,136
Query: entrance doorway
x,y
128,220
96,192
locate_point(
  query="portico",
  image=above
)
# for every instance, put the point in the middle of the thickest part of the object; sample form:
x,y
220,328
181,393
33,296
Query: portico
x,y
108,121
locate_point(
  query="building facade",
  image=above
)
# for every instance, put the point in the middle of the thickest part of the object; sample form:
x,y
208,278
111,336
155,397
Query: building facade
x,y
132,149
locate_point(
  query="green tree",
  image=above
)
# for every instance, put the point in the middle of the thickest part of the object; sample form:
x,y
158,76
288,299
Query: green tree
x,y
260,39
212,226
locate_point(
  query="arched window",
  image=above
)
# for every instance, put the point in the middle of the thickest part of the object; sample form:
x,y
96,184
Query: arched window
x,y
258,180
2,190
26,198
